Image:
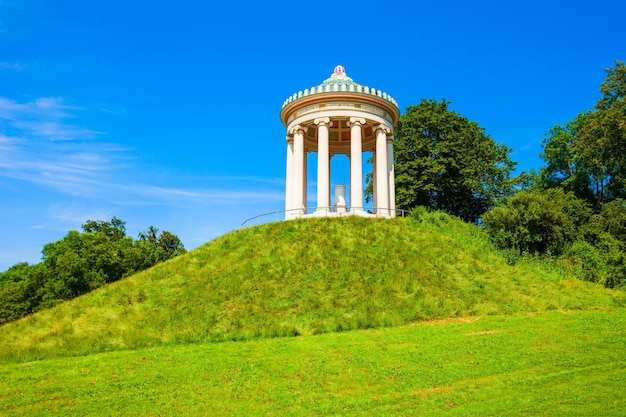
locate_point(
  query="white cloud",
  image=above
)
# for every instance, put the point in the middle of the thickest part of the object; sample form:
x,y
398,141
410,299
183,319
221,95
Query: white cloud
x,y
53,130
4,65
43,108
65,217
43,118
39,147
7,143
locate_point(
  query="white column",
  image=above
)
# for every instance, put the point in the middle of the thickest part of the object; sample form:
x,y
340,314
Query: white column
x,y
323,165
382,183
374,188
289,180
305,184
391,176
356,164
299,172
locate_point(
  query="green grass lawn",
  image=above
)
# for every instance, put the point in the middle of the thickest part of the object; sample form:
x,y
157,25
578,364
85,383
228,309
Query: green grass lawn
x,y
546,364
346,316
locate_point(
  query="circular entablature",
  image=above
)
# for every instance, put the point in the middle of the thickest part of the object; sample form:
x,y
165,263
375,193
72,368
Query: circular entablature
x,y
336,91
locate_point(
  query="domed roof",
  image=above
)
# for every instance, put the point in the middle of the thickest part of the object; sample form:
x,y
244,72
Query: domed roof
x,y
339,82
339,77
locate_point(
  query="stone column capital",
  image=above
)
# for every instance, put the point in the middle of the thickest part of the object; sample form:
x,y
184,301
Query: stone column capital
x,y
356,121
323,121
297,129
289,139
381,128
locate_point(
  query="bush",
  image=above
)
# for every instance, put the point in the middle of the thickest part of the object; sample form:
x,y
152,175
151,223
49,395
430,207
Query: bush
x,y
537,222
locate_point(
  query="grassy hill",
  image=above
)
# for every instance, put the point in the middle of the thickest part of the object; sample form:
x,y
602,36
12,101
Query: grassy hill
x,y
445,325
303,277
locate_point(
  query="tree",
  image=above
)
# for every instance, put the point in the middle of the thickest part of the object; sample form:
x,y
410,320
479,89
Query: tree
x,y
78,263
81,262
538,222
588,155
610,219
171,245
613,89
613,215
166,245
446,162
114,230
20,290
564,167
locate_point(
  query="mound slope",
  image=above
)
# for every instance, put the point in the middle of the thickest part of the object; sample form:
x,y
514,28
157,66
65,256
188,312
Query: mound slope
x,y
302,277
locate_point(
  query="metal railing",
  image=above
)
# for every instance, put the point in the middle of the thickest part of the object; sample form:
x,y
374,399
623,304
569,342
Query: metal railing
x,y
280,215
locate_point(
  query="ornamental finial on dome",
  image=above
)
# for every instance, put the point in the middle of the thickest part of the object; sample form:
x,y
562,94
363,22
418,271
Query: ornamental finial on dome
x,y
339,73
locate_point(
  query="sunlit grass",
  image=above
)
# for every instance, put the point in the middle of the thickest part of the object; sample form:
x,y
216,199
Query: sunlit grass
x,y
304,277
445,325
551,363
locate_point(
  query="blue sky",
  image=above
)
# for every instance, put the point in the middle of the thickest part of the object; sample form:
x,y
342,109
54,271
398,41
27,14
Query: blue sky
x,y
167,113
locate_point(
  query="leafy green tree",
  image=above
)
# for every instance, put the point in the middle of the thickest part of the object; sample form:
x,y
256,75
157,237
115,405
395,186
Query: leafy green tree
x,y
446,162
166,245
14,274
151,236
20,290
614,214
14,301
114,230
588,155
564,168
81,262
610,219
538,222
603,261
77,264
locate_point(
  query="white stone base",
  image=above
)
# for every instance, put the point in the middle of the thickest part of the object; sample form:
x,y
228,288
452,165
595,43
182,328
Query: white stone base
x,y
338,213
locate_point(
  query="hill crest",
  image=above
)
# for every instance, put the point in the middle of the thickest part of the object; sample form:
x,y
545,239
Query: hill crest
x,y
303,277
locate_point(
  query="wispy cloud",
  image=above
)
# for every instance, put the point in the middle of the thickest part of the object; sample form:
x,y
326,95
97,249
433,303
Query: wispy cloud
x,y
39,146
214,196
11,66
44,118
64,215
44,107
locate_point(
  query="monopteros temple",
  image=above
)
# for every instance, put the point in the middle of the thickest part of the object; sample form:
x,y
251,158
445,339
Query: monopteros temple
x,y
339,116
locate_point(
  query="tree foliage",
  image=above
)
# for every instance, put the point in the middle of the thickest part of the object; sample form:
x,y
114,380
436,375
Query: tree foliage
x,y
588,155
81,262
20,290
601,254
555,222
166,245
585,157
446,162
537,222
114,230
